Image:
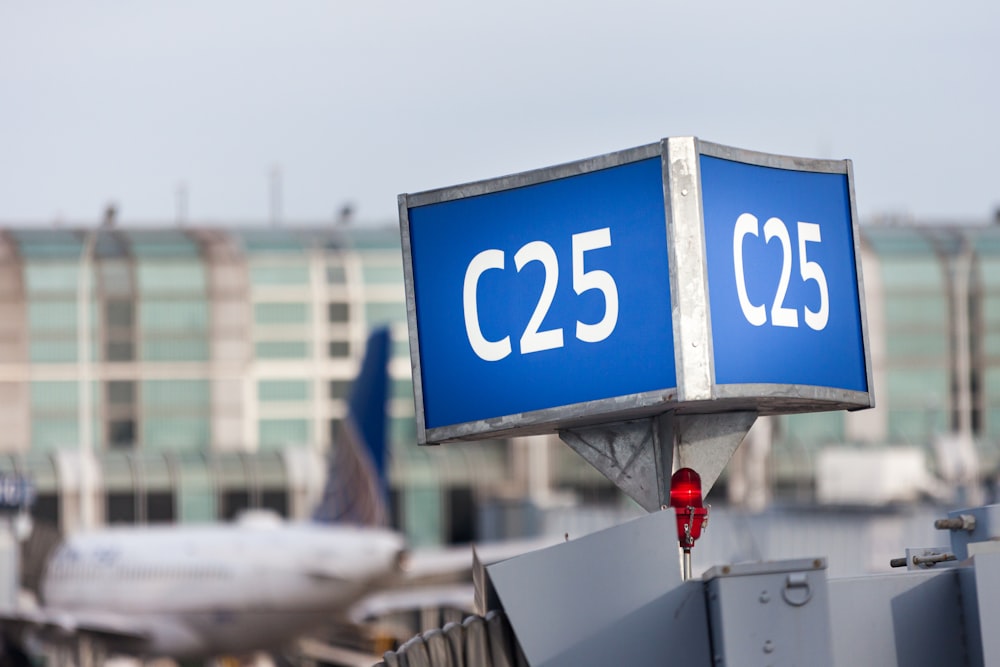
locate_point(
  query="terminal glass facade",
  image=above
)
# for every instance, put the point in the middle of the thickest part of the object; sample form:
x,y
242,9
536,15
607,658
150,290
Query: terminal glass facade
x,y
207,369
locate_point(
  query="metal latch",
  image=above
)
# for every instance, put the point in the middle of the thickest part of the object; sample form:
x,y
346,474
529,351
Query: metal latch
x,y
797,590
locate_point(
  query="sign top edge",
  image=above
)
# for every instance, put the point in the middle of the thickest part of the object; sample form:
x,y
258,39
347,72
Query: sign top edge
x,y
531,177
616,158
774,160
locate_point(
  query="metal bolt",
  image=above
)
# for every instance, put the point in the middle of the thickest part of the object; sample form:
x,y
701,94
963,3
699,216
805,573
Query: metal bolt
x,y
684,192
931,559
961,522
764,598
768,646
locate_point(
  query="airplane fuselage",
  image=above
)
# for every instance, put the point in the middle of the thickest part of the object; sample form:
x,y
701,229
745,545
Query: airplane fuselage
x,y
209,590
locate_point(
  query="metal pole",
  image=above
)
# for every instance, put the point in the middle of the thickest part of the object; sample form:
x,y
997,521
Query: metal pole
x,y
88,516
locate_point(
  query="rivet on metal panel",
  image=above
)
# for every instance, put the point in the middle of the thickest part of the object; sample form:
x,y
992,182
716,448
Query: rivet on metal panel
x,y
765,597
797,591
768,646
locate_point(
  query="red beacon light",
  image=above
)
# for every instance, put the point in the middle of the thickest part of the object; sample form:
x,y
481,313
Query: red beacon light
x,y
692,515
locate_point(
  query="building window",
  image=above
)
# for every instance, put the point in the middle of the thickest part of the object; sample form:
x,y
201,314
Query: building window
x,y
160,507
383,274
339,349
121,432
283,390
281,313
282,349
120,507
277,433
336,275
339,389
279,275
378,313
338,312
119,350
119,314
121,392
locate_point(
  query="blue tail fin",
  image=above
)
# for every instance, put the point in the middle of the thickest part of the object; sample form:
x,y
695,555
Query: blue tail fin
x,y
357,482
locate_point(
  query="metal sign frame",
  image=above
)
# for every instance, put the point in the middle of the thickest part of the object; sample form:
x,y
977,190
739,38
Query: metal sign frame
x,y
696,390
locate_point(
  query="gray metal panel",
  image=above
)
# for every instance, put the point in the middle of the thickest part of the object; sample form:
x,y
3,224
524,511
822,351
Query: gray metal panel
x,y
985,528
904,618
980,587
636,456
773,614
610,598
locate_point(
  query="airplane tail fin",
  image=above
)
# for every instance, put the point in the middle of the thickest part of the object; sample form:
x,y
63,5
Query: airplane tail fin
x,y
357,486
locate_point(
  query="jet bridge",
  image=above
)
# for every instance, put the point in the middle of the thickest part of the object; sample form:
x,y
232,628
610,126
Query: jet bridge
x,y
615,597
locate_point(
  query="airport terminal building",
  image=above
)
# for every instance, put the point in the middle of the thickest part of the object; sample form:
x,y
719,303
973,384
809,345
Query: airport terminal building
x,y
206,369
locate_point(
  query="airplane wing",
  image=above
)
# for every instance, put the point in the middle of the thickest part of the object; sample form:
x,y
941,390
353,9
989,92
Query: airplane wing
x,y
383,603
442,578
116,631
424,566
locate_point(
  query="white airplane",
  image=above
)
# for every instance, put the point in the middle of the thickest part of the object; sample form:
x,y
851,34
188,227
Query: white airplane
x,y
199,591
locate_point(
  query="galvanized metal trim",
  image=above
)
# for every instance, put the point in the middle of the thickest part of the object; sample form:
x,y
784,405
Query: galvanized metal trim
x,y
760,159
411,317
796,392
550,420
856,231
533,177
688,270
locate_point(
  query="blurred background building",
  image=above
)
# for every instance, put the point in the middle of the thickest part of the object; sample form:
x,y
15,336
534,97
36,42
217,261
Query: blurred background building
x,y
206,367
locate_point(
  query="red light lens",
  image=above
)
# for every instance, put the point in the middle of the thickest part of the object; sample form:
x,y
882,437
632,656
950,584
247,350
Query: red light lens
x,y
685,489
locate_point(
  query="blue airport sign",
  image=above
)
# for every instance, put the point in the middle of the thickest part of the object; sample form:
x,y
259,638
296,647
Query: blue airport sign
x,y
680,275
548,294
782,276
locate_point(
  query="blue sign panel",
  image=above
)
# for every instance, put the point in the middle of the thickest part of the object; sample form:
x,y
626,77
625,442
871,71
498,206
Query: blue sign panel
x,y
541,296
782,276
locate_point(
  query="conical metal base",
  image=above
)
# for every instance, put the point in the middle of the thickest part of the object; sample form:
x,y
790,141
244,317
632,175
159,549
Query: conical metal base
x,y
639,456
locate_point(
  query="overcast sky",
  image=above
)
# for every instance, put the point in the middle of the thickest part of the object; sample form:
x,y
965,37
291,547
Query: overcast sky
x,y
356,102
